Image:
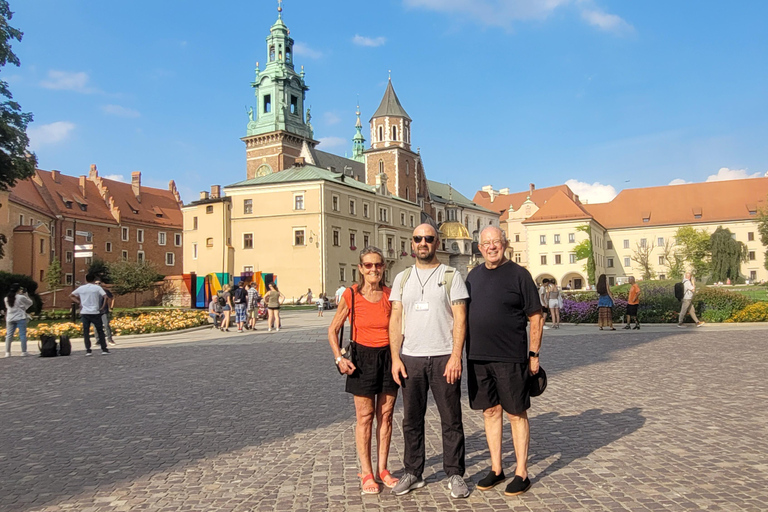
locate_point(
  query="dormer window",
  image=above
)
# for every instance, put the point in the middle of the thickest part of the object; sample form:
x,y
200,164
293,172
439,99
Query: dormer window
x,y
697,212
646,216
68,204
83,207
158,211
752,209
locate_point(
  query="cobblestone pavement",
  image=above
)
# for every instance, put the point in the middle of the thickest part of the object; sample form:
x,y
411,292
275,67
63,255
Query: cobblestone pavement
x,y
658,419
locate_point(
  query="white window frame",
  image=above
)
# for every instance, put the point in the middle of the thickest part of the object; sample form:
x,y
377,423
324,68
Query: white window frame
x,y
162,238
246,206
125,233
628,262
299,196
342,274
335,203
141,257
68,279
542,239
173,259
140,236
252,241
108,247
352,207
572,258
660,241
177,239
304,231
68,256
194,251
124,256
557,238
571,238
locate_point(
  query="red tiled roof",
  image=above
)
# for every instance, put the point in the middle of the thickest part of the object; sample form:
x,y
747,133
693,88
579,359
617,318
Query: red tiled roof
x,y
151,199
503,202
27,193
559,207
68,187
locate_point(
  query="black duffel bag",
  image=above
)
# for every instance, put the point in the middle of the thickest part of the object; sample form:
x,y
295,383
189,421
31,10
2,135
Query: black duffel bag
x,y
48,346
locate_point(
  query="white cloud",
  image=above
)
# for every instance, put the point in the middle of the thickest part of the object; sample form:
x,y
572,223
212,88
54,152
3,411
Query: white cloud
x,y
605,21
592,193
331,142
68,81
119,111
115,177
725,174
331,118
49,133
678,181
368,41
303,50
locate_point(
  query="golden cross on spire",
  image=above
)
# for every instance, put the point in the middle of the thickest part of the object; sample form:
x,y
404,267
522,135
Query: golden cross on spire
x,y
280,6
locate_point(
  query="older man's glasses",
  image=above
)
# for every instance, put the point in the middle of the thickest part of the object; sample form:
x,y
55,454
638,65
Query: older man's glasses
x,y
492,243
429,239
369,266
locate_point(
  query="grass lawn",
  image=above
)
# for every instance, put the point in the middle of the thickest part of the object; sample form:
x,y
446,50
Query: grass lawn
x,y
759,293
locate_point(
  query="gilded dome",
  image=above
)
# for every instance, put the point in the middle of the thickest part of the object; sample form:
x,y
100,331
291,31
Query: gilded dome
x,y
454,230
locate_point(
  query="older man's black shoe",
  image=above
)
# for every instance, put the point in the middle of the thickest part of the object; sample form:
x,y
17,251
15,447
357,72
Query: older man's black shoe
x,y
491,480
517,486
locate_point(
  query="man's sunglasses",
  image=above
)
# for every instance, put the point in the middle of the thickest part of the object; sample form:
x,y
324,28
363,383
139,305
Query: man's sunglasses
x,y
429,239
369,266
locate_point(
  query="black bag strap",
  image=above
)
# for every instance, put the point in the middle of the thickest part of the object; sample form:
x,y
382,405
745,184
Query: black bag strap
x,y
352,315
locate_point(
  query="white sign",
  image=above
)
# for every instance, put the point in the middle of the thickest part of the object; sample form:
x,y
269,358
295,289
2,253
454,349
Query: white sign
x,y
88,254
68,239
83,233
85,247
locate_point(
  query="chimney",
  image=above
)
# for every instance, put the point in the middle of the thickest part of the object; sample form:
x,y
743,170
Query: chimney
x,y
136,184
203,195
299,162
504,192
215,191
55,176
93,173
576,198
82,186
491,193
533,187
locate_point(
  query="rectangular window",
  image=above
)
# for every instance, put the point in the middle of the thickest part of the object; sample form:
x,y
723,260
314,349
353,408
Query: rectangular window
x,y
352,240
209,209
194,222
21,219
660,242
68,279
611,281
177,239
366,213
751,255
572,258
366,239
42,246
335,203
69,234
336,238
517,237
247,206
609,244
140,256
124,234
752,275
571,238
267,103
542,239
298,202
412,222
248,268
558,259
247,240
342,274
643,242
543,259
609,262
627,262
68,257
170,259
390,244
402,246
383,215
194,251
108,247
298,237
402,218
89,237
751,236
140,236
294,104
661,260
352,207
161,238
626,244
557,239
124,255
209,242
518,258
354,274
662,277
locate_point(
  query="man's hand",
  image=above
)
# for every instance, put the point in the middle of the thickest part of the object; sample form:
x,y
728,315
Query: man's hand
x,y
453,369
398,368
533,365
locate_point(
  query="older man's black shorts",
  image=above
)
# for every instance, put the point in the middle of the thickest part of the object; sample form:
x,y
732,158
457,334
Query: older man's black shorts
x,y
491,383
373,374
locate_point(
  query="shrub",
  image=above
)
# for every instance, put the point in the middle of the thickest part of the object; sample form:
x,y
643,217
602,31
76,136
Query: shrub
x,y
757,312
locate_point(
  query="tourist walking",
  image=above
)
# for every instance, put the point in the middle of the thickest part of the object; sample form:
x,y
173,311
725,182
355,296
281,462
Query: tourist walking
x,y
500,355
91,298
369,368
633,303
689,288
553,300
16,304
604,304
428,324
273,298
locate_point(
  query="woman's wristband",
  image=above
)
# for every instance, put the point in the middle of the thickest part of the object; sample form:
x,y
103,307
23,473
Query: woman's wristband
x,y
338,360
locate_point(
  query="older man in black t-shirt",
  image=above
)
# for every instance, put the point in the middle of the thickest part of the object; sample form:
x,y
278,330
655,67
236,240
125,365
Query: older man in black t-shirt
x,y
503,299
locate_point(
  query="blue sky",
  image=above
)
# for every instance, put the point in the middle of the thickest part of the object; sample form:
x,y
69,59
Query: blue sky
x,y
607,94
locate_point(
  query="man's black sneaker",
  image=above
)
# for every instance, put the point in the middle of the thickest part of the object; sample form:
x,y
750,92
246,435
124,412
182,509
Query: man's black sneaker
x,y
490,480
637,327
627,326
104,352
88,353
517,486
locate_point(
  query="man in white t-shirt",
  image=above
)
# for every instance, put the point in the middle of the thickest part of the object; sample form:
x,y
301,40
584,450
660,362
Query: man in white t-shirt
x,y
428,322
91,298
339,293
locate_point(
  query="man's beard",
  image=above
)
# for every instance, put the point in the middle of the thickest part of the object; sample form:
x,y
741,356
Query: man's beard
x,y
427,258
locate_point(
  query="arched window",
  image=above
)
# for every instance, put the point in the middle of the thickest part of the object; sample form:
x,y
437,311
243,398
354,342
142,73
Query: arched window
x,y
407,167
381,166
394,133
381,133
288,54
439,217
271,53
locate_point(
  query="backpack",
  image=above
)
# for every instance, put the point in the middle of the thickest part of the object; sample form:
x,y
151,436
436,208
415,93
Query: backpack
x,y
65,346
240,296
679,291
222,301
48,346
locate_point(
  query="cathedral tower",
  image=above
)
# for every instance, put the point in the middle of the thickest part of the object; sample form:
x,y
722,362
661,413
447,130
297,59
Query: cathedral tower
x,y
277,128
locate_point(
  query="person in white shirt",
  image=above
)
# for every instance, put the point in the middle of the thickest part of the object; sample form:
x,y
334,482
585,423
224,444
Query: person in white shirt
x,y
16,304
339,293
91,298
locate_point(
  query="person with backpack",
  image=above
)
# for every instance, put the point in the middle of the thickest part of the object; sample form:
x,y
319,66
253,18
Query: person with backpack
x,y
225,299
252,310
688,289
240,298
16,304
426,335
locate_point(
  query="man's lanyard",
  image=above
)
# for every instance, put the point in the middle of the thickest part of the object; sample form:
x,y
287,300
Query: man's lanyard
x,y
425,282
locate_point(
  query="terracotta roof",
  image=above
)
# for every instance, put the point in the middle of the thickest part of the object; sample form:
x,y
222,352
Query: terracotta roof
x,y
503,202
716,201
27,193
68,188
559,207
151,199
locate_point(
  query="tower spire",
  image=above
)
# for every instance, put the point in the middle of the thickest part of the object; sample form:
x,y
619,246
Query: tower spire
x,y
358,141
279,9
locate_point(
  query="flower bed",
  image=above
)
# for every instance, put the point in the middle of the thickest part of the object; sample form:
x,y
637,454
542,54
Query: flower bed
x,y
140,323
757,312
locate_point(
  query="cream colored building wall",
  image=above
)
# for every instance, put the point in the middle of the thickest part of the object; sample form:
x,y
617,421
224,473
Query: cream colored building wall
x,y
566,273
517,233
218,257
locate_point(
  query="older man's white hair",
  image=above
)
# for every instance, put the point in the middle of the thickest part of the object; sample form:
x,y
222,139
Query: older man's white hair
x,y
500,231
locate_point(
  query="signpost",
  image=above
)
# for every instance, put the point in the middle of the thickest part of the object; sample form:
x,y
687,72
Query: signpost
x,y
84,247
84,254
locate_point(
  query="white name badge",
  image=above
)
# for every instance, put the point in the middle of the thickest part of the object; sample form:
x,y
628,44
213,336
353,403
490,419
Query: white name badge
x,y
422,306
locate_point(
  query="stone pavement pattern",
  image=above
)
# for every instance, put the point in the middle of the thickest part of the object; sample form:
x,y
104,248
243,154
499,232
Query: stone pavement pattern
x,y
649,420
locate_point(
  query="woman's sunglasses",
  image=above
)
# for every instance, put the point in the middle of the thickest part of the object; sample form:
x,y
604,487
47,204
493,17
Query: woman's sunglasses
x,y
369,266
429,239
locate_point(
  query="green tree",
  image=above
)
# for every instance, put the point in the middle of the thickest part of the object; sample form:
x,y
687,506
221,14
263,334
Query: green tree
x,y
15,163
584,250
674,260
129,277
642,255
695,249
100,269
727,255
762,228
53,278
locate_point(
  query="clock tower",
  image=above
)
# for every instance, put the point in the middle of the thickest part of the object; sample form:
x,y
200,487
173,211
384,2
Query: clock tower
x,y
279,125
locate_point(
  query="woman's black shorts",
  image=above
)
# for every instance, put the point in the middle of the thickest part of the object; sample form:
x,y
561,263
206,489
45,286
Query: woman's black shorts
x,y
632,309
373,374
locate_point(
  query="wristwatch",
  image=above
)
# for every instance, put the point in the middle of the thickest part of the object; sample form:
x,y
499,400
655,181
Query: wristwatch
x,y
533,354
338,360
